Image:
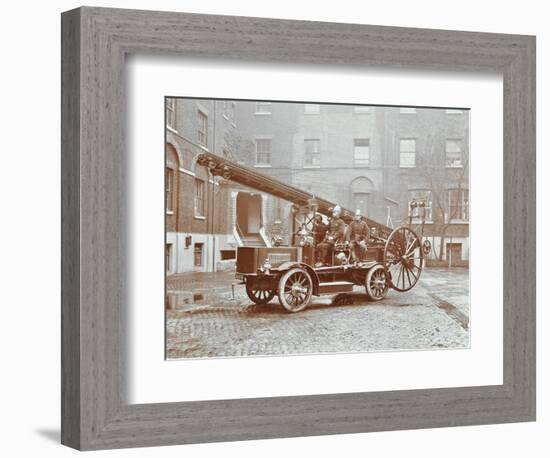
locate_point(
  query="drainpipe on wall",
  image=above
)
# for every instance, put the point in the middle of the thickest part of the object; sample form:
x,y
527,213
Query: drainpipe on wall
x,y
213,200
450,252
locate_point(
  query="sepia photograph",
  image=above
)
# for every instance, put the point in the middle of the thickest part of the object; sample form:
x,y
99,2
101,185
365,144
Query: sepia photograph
x,y
296,228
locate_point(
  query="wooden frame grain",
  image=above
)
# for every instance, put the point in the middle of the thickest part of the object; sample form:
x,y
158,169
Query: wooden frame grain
x,y
95,412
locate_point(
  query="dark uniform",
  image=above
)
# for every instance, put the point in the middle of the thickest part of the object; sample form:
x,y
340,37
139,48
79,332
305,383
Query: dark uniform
x,y
334,235
319,231
359,232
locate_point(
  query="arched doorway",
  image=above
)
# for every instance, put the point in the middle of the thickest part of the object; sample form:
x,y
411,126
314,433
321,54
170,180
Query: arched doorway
x,y
361,194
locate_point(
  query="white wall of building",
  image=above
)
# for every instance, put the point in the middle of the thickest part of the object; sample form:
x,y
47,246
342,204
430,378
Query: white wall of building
x,y
183,258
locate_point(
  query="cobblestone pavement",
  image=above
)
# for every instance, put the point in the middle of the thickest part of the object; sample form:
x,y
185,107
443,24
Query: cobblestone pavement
x,y
434,314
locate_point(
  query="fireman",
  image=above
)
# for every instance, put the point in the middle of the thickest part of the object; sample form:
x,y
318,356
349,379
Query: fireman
x,y
335,234
320,229
359,234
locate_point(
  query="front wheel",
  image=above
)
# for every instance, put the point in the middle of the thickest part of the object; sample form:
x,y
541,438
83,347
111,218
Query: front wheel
x,y
295,290
258,295
376,284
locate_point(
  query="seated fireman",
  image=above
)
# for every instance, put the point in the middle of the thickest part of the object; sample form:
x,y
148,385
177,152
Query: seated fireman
x,y
359,234
334,235
319,231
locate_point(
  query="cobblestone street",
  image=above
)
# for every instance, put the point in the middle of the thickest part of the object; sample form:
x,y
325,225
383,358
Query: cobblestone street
x,y
434,314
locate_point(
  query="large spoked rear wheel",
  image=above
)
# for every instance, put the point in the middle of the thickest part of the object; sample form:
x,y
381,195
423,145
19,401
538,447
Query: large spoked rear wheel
x,y
376,284
295,290
258,295
403,259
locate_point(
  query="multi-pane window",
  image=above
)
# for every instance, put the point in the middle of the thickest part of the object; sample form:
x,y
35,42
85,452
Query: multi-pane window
x,y
361,109
169,181
361,151
312,108
263,151
198,254
263,107
171,113
453,152
407,110
407,152
459,206
312,155
203,129
199,197
420,196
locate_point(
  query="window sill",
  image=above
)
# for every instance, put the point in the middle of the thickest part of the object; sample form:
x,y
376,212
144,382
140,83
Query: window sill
x,y
454,166
205,148
171,129
262,113
459,221
419,221
202,218
407,166
312,167
187,172
262,166
169,212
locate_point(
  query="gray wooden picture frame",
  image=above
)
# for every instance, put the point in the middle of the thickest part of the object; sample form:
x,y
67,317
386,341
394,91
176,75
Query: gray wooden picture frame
x,y
95,411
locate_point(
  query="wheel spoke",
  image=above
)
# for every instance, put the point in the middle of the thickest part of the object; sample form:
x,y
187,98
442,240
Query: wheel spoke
x,y
408,276
398,278
411,245
404,241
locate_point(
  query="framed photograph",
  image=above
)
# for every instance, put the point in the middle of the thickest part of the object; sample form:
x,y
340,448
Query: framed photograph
x,y
285,215
276,228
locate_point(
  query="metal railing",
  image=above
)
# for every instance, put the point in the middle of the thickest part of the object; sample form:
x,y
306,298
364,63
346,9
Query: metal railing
x,y
239,235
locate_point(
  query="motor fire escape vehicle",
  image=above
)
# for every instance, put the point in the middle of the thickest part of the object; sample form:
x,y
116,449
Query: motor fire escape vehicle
x,y
394,258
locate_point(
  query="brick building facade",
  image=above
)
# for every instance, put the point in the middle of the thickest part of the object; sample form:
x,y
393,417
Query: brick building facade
x,y
368,157
197,217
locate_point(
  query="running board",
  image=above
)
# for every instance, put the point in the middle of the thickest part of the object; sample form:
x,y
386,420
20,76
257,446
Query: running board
x,y
334,287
